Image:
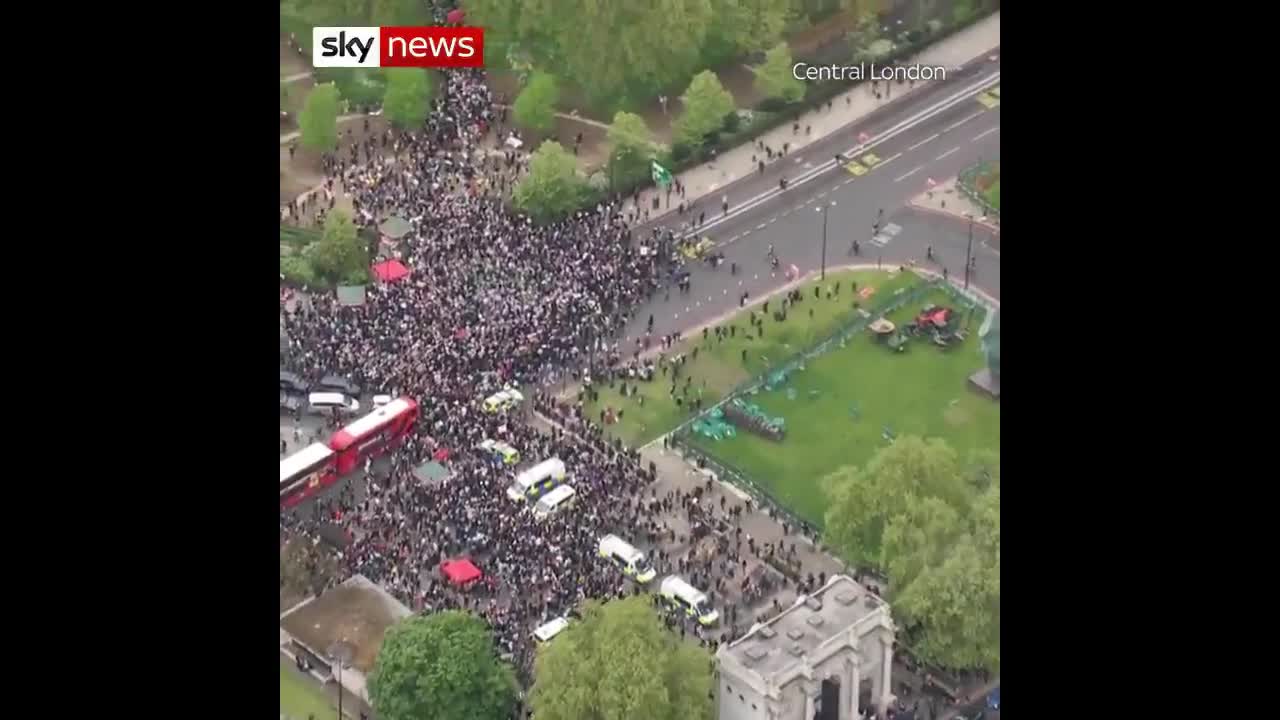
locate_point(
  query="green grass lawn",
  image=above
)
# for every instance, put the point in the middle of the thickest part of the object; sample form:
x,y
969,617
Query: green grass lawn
x,y
299,696
922,391
719,367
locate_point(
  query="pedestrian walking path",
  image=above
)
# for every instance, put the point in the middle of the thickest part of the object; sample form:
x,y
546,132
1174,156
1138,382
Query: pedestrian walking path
x,y
290,137
975,41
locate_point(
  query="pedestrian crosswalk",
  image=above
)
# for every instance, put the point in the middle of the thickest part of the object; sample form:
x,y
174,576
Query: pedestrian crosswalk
x,y
886,234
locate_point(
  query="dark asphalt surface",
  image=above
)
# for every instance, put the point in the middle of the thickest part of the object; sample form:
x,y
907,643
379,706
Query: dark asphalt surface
x,y
792,222
821,151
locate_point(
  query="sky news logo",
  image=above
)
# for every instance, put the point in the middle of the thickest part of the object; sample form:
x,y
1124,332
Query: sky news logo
x,y
370,47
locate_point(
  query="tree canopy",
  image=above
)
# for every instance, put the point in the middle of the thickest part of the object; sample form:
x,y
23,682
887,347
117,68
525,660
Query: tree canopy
x,y
552,186
706,105
633,52
932,523
407,100
340,256
776,78
318,120
620,662
631,146
535,106
440,666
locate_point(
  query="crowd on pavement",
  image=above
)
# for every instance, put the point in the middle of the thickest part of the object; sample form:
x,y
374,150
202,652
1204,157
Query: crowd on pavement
x,y
493,301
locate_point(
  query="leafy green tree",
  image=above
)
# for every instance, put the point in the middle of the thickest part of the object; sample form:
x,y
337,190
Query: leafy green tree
x,y
933,524
535,107
340,256
440,666
318,120
706,104
957,605
863,37
408,97
412,13
632,147
776,77
618,663
552,186
743,26
634,50
864,500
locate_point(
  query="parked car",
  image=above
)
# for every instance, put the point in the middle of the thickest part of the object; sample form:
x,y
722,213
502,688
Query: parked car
x,y
291,383
338,384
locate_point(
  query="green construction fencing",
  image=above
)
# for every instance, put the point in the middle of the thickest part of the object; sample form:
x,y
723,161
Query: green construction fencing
x,y
680,437
967,182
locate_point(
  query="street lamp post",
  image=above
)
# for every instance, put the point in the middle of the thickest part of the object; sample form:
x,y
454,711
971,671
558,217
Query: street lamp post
x,y
340,653
823,210
968,253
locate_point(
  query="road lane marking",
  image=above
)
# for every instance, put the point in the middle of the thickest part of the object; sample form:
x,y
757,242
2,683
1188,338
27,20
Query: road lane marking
x,y
965,95
846,182
909,174
822,195
786,213
984,133
889,159
957,124
760,226
929,139
954,149
773,220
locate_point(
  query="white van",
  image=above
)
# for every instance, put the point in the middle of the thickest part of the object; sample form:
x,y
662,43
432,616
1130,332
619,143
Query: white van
x,y
561,496
548,630
537,480
631,561
332,403
692,600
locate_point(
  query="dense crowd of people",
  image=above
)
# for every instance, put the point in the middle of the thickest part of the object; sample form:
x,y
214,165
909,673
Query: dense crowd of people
x,y
493,301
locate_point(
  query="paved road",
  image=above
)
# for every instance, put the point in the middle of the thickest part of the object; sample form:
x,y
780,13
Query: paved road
x,y
792,222
822,151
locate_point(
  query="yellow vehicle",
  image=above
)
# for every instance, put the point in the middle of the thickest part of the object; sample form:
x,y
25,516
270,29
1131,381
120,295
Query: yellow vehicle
x,y
504,400
694,602
629,560
509,455
695,250
541,478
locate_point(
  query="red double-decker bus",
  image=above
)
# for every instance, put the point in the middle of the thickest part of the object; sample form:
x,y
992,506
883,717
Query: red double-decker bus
x,y
373,434
306,472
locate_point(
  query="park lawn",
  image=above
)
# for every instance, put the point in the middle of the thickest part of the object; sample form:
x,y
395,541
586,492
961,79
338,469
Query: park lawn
x,y
923,391
299,698
719,367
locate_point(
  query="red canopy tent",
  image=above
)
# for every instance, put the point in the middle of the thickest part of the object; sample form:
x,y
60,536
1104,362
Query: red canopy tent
x,y
390,271
441,455
455,16
460,572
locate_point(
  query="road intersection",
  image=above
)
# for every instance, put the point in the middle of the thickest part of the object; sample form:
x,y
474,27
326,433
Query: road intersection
x,y
884,177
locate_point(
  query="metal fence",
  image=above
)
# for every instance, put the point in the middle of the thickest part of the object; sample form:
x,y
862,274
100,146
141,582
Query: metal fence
x,y
681,437
967,182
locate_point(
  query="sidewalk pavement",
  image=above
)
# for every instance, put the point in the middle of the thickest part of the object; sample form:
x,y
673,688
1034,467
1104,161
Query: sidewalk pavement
x,y
973,42
946,199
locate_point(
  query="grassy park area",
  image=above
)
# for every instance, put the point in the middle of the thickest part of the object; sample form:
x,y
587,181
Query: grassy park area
x,y
846,403
299,698
839,406
989,186
718,368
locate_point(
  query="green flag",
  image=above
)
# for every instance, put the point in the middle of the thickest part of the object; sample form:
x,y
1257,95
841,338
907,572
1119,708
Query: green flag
x,y
661,175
